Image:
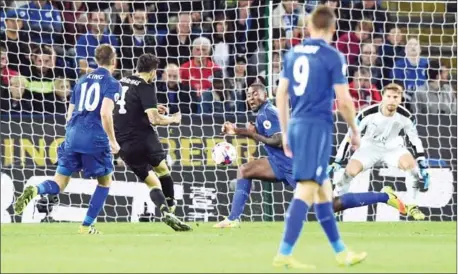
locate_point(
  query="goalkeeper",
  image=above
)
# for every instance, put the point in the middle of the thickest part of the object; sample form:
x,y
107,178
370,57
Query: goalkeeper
x,y
277,166
381,142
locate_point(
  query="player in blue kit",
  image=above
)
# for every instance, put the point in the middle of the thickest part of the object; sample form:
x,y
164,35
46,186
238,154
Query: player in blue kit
x,y
277,166
89,140
312,72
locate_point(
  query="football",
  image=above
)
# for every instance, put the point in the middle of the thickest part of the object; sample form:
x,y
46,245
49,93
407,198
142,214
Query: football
x,y
224,153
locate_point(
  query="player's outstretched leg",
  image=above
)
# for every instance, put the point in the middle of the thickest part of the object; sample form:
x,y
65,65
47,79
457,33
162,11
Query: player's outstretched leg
x,y
159,199
325,215
51,187
302,201
256,169
408,164
352,200
96,204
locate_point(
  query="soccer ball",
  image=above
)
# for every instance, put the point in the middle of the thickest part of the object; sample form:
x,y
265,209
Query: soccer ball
x,y
224,153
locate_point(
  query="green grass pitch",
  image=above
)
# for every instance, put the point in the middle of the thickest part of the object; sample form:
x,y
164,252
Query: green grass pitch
x,y
425,247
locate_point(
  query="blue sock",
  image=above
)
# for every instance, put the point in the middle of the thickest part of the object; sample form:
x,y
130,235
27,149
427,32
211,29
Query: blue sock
x,y
96,204
242,192
293,225
325,216
351,200
48,187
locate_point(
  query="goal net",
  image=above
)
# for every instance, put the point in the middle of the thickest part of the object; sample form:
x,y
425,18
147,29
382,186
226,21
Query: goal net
x,y
210,52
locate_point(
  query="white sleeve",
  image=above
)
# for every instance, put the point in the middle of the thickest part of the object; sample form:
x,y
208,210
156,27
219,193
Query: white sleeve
x,y
410,129
342,151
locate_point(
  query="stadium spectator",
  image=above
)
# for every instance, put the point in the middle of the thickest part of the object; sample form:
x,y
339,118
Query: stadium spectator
x,y
241,81
223,44
87,43
286,16
6,72
369,59
390,52
15,99
118,17
176,47
363,92
350,43
411,70
246,26
136,40
175,94
74,17
43,21
198,72
258,61
16,43
371,10
300,32
436,96
276,70
220,97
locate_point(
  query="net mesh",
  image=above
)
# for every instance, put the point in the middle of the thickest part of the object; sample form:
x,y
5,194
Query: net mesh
x,y
46,46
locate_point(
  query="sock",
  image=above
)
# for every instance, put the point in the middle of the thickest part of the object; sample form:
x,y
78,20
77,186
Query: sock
x,y
96,204
343,185
158,198
415,185
48,187
167,189
293,225
242,192
325,216
351,200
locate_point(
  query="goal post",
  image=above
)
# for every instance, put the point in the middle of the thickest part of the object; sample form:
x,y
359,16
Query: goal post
x,y
248,40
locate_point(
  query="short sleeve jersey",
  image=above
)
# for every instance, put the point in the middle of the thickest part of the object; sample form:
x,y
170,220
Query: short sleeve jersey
x,y
268,124
312,69
130,120
85,133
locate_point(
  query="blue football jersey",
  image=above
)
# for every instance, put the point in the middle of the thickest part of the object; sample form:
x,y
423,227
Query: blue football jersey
x,y
312,69
268,124
85,133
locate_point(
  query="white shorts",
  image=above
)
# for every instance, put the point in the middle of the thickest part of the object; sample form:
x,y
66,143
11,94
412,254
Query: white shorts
x,y
370,154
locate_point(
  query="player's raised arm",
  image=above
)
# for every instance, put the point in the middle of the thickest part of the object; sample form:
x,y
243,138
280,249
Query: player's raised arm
x,y
283,105
106,113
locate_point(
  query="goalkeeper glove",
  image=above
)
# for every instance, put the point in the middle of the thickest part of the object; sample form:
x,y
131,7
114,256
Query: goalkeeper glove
x,y
333,168
423,165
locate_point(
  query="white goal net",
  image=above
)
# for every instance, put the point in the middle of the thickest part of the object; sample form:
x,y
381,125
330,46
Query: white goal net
x,y
46,45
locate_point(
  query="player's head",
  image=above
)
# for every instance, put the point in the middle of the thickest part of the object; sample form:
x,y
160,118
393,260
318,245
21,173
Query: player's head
x,y
146,67
105,56
392,96
322,23
256,96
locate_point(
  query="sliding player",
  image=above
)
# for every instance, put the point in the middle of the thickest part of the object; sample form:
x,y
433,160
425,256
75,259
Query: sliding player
x,y
382,143
311,73
88,138
141,150
277,166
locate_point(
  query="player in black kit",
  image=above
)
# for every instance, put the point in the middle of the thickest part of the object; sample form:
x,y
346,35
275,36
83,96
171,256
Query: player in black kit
x,y
135,114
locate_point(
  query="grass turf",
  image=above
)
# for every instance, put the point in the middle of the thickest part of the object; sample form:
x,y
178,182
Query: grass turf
x,y
425,247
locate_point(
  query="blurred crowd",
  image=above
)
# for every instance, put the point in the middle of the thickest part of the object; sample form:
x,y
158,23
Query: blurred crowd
x,y
209,51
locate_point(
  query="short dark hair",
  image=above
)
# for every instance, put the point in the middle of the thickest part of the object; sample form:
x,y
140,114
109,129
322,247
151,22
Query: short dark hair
x,y
104,54
323,18
258,86
434,70
42,49
146,63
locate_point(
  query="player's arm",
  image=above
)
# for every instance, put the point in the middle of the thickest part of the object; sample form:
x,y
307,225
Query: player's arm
x,y
274,140
71,107
410,130
106,113
148,98
283,105
342,151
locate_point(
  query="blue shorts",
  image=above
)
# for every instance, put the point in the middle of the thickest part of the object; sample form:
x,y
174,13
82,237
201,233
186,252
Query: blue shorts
x,y
93,165
282,174
311,144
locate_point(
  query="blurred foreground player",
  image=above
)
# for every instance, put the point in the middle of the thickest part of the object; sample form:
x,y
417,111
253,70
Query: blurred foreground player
x,y
89,138
136,113
277,166
311,73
